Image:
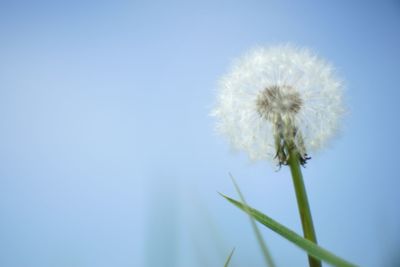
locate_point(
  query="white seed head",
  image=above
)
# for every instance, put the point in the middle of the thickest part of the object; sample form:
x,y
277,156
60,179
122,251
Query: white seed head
x,y
279,90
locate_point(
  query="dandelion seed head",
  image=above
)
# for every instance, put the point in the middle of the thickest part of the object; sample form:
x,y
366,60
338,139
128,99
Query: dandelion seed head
x,y
280,90
278,101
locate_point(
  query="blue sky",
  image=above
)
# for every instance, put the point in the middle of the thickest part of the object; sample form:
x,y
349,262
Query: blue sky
x,y
108,156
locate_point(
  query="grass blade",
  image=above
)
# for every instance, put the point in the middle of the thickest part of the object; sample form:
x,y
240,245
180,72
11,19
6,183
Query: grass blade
x,y
308,246
267,255
228,260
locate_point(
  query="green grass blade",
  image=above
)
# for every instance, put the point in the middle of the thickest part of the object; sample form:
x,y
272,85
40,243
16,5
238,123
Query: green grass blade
x,y
228,260
267,255
311,248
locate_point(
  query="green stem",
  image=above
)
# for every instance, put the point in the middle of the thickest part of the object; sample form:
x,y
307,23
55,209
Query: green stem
x,y
302,201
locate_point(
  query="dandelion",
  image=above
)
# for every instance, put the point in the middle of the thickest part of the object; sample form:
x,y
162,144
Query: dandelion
x,y
278,104
279,95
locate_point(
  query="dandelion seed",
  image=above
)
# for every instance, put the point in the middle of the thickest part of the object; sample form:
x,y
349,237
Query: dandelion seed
x,y
279,95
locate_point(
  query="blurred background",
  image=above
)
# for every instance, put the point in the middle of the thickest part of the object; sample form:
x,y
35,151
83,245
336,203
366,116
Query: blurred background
x,y
108,156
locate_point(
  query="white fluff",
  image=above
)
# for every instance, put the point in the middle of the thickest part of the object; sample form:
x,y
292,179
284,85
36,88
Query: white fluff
x,y
313,79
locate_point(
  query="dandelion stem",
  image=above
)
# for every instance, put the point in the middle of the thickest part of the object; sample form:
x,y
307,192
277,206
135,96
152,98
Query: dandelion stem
x,y
302,201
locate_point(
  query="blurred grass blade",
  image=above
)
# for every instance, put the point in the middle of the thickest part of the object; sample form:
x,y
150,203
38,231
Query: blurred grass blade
x,y
228,260
311,248
267,255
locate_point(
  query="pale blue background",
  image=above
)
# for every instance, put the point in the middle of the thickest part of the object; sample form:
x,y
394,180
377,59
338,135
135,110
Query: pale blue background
x,y
108,156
